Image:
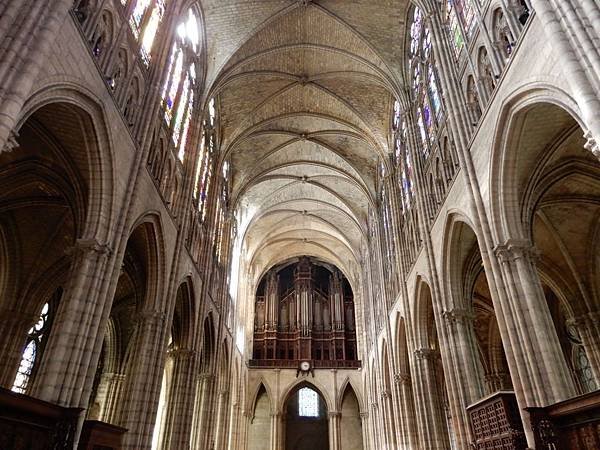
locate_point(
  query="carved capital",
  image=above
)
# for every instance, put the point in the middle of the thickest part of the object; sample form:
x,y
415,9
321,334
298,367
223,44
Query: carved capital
x,y
87,247
181,353
11,142
364,415
458,315
402,379
586,320
429,354
591,144
151,318
333,414
514,249
385,394
374,405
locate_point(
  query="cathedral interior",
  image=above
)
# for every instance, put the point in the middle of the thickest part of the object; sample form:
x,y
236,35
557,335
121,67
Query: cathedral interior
x,y
300,224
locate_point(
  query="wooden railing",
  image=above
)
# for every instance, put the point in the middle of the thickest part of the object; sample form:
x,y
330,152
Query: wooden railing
x,y
293,364
29,423
569,425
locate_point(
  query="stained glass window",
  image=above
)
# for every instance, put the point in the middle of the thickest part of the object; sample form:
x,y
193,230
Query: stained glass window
x,y
137,16
32,351
172,86
308,403
199,167
456,37
460,20
206,175
151,29
580,360
178,91
427,95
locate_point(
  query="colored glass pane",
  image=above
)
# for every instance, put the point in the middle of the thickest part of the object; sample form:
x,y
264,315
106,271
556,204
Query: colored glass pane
x,y
151,29
170,93
137,16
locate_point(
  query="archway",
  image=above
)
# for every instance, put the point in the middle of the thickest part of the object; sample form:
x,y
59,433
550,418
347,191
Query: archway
x,y
351,423
548,216
306,419
259,429
434,413
46,206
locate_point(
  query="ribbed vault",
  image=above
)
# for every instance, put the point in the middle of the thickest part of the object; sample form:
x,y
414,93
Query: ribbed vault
x,y
305,91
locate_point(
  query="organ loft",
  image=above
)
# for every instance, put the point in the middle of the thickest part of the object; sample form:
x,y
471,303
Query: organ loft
x,y
304,310
300,224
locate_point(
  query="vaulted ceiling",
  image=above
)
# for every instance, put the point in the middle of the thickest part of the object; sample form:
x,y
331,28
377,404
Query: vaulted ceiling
x,y
305,91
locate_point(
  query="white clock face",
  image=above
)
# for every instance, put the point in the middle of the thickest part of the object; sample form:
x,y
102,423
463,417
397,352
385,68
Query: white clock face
x,y
305,365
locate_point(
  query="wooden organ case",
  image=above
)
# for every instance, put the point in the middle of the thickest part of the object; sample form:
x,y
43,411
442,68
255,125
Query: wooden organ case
x,y
304,311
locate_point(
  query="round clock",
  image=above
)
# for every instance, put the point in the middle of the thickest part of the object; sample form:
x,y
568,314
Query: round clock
x,y
305,366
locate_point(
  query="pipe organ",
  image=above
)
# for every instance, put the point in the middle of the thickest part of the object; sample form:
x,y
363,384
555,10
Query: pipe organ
x,y
304,310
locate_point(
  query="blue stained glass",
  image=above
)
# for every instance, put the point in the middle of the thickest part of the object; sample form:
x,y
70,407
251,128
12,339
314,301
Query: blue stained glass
x,y
427,116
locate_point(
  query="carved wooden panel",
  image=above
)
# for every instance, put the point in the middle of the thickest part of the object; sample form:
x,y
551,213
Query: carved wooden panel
x,y
496,423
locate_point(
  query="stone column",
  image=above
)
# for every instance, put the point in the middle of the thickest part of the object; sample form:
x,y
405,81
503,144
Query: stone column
x,y
277,437
61,377
429,404
28,28
202,408
334,430
139,402
466,369
388,419
180,401
375,430
221,419
575,37
407,430
543,372
364,419
112,385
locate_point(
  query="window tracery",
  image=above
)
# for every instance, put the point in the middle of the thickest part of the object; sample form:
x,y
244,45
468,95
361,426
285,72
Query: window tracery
x,y
425,83
36,338
144,21
402,158
178,93
308,403
460,22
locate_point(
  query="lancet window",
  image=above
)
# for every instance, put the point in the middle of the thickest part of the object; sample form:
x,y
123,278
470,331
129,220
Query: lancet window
x,y
402,159
222,206
425,82
34,346
206,155
144,21
308,403
460,22
180,85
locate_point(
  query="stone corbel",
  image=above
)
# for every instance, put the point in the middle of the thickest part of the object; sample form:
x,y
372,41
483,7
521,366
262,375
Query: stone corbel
x,y
591,144
426,354
513,249
151,318
458,315
181,353
89,246
402,379
11,142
